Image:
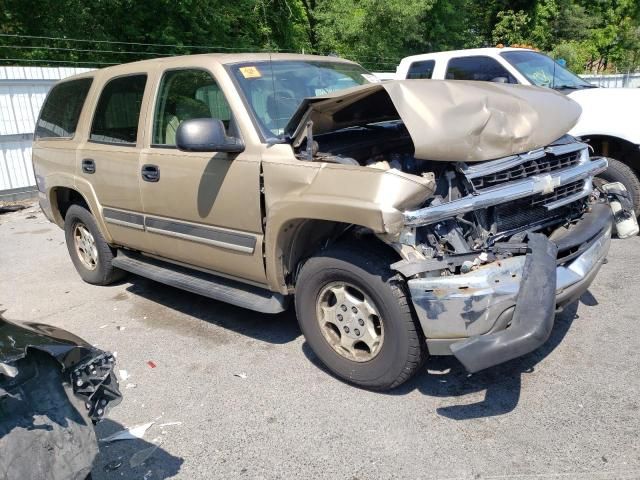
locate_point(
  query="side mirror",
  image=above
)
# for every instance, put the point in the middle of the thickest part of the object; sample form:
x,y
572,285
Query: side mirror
x,y
500,80
206,135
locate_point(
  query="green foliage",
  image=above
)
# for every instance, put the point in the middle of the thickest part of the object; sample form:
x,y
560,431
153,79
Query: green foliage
x,y
576,54
594,35
368,29
511,27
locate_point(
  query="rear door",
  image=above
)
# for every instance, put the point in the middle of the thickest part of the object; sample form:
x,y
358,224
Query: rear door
x,y
109,159
201,208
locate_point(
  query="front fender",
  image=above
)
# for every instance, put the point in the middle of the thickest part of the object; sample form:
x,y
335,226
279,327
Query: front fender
x,y
363,196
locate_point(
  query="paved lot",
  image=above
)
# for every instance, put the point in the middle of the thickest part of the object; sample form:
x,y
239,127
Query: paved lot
x,y
570,410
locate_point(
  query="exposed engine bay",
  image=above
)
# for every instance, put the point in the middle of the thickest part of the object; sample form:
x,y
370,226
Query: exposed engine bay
x,y
463,239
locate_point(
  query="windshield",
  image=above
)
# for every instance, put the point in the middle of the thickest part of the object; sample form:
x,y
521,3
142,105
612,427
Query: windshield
x,y
542,71
274,90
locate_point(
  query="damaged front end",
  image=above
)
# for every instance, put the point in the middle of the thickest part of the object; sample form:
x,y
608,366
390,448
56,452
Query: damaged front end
x,y
511,228
505,245
89,370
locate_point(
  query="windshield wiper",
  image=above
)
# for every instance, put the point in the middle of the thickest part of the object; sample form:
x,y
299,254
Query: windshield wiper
x,y
573,87
566,87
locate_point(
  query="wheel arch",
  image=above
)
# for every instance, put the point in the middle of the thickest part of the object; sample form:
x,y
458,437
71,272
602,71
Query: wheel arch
x,y
62,197
298,239
615,147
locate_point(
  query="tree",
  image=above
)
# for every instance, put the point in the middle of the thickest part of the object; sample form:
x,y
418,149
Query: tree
x,y
376,33
598,35
511,27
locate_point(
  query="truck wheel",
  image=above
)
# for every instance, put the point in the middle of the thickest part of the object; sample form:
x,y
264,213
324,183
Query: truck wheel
x,y
621,172
356,316
89,251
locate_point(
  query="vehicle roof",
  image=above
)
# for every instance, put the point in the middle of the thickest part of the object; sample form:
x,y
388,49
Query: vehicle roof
x,y
457,53
221,58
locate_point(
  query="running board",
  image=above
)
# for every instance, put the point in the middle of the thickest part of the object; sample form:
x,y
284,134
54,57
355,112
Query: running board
x,y
205,284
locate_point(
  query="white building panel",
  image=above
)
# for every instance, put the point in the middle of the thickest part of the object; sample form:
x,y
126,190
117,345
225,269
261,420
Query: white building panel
x,y
16,170
22,93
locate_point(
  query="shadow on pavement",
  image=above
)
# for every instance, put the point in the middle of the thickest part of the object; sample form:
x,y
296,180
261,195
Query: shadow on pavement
x,y
114,459
277,329
445,377
442,377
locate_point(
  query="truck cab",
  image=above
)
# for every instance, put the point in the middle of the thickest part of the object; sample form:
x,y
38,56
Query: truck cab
x,y
608,123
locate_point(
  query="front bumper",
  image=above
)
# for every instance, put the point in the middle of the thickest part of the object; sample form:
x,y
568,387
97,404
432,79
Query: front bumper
x,y
506,309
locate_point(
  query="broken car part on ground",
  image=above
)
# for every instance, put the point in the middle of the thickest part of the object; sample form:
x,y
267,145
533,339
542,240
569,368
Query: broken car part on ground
x,y
53,387
404,219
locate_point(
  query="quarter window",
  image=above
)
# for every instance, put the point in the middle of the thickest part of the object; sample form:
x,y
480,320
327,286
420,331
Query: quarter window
x,y
118,110
61,110
484,69
422,69
185,95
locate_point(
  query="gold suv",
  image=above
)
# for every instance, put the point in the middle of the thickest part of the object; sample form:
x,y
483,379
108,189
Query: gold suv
x,y
403,218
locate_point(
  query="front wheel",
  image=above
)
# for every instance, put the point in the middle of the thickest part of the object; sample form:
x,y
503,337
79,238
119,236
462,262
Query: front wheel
x,y
355,314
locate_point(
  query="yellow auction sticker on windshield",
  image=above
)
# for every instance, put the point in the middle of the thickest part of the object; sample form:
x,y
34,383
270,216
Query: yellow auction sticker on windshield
x,y
250,72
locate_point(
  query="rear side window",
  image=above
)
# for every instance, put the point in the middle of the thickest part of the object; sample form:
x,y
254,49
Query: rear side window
x,y
422,69
61,109
484,69
118,111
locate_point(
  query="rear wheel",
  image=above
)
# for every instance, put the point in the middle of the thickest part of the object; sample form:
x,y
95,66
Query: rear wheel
x,y
89,251
355,314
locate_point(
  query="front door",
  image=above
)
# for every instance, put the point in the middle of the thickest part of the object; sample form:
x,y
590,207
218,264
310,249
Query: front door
x,y
201,209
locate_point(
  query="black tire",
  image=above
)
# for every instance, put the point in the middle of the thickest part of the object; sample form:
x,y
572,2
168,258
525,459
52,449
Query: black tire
x,y
104,272
621,172
403,350
44,428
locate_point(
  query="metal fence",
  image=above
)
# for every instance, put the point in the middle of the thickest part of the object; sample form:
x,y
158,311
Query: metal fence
x,y
22,92
622,80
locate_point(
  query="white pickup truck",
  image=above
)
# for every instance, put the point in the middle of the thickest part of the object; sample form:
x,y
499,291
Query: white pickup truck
x,y
609,115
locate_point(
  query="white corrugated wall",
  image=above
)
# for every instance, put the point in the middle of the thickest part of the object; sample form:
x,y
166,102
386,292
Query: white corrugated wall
x,y
22,92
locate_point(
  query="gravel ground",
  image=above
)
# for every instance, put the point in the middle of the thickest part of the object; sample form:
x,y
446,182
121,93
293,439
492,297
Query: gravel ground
x,y
569,410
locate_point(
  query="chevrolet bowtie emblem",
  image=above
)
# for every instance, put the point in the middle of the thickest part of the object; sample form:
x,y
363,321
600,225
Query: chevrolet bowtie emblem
x,y
545,183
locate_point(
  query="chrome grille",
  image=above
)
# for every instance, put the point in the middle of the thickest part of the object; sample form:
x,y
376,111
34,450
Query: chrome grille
x,y
569,164
558,194
519,215
545,164
527,211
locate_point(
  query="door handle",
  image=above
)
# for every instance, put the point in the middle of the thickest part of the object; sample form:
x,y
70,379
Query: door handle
x,y
150,173
88,166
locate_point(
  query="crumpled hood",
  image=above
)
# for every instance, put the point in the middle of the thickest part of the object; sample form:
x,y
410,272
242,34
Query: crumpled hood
x,y
608,111
448,120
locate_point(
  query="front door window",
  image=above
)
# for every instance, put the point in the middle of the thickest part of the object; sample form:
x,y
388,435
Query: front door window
x,y
185,95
